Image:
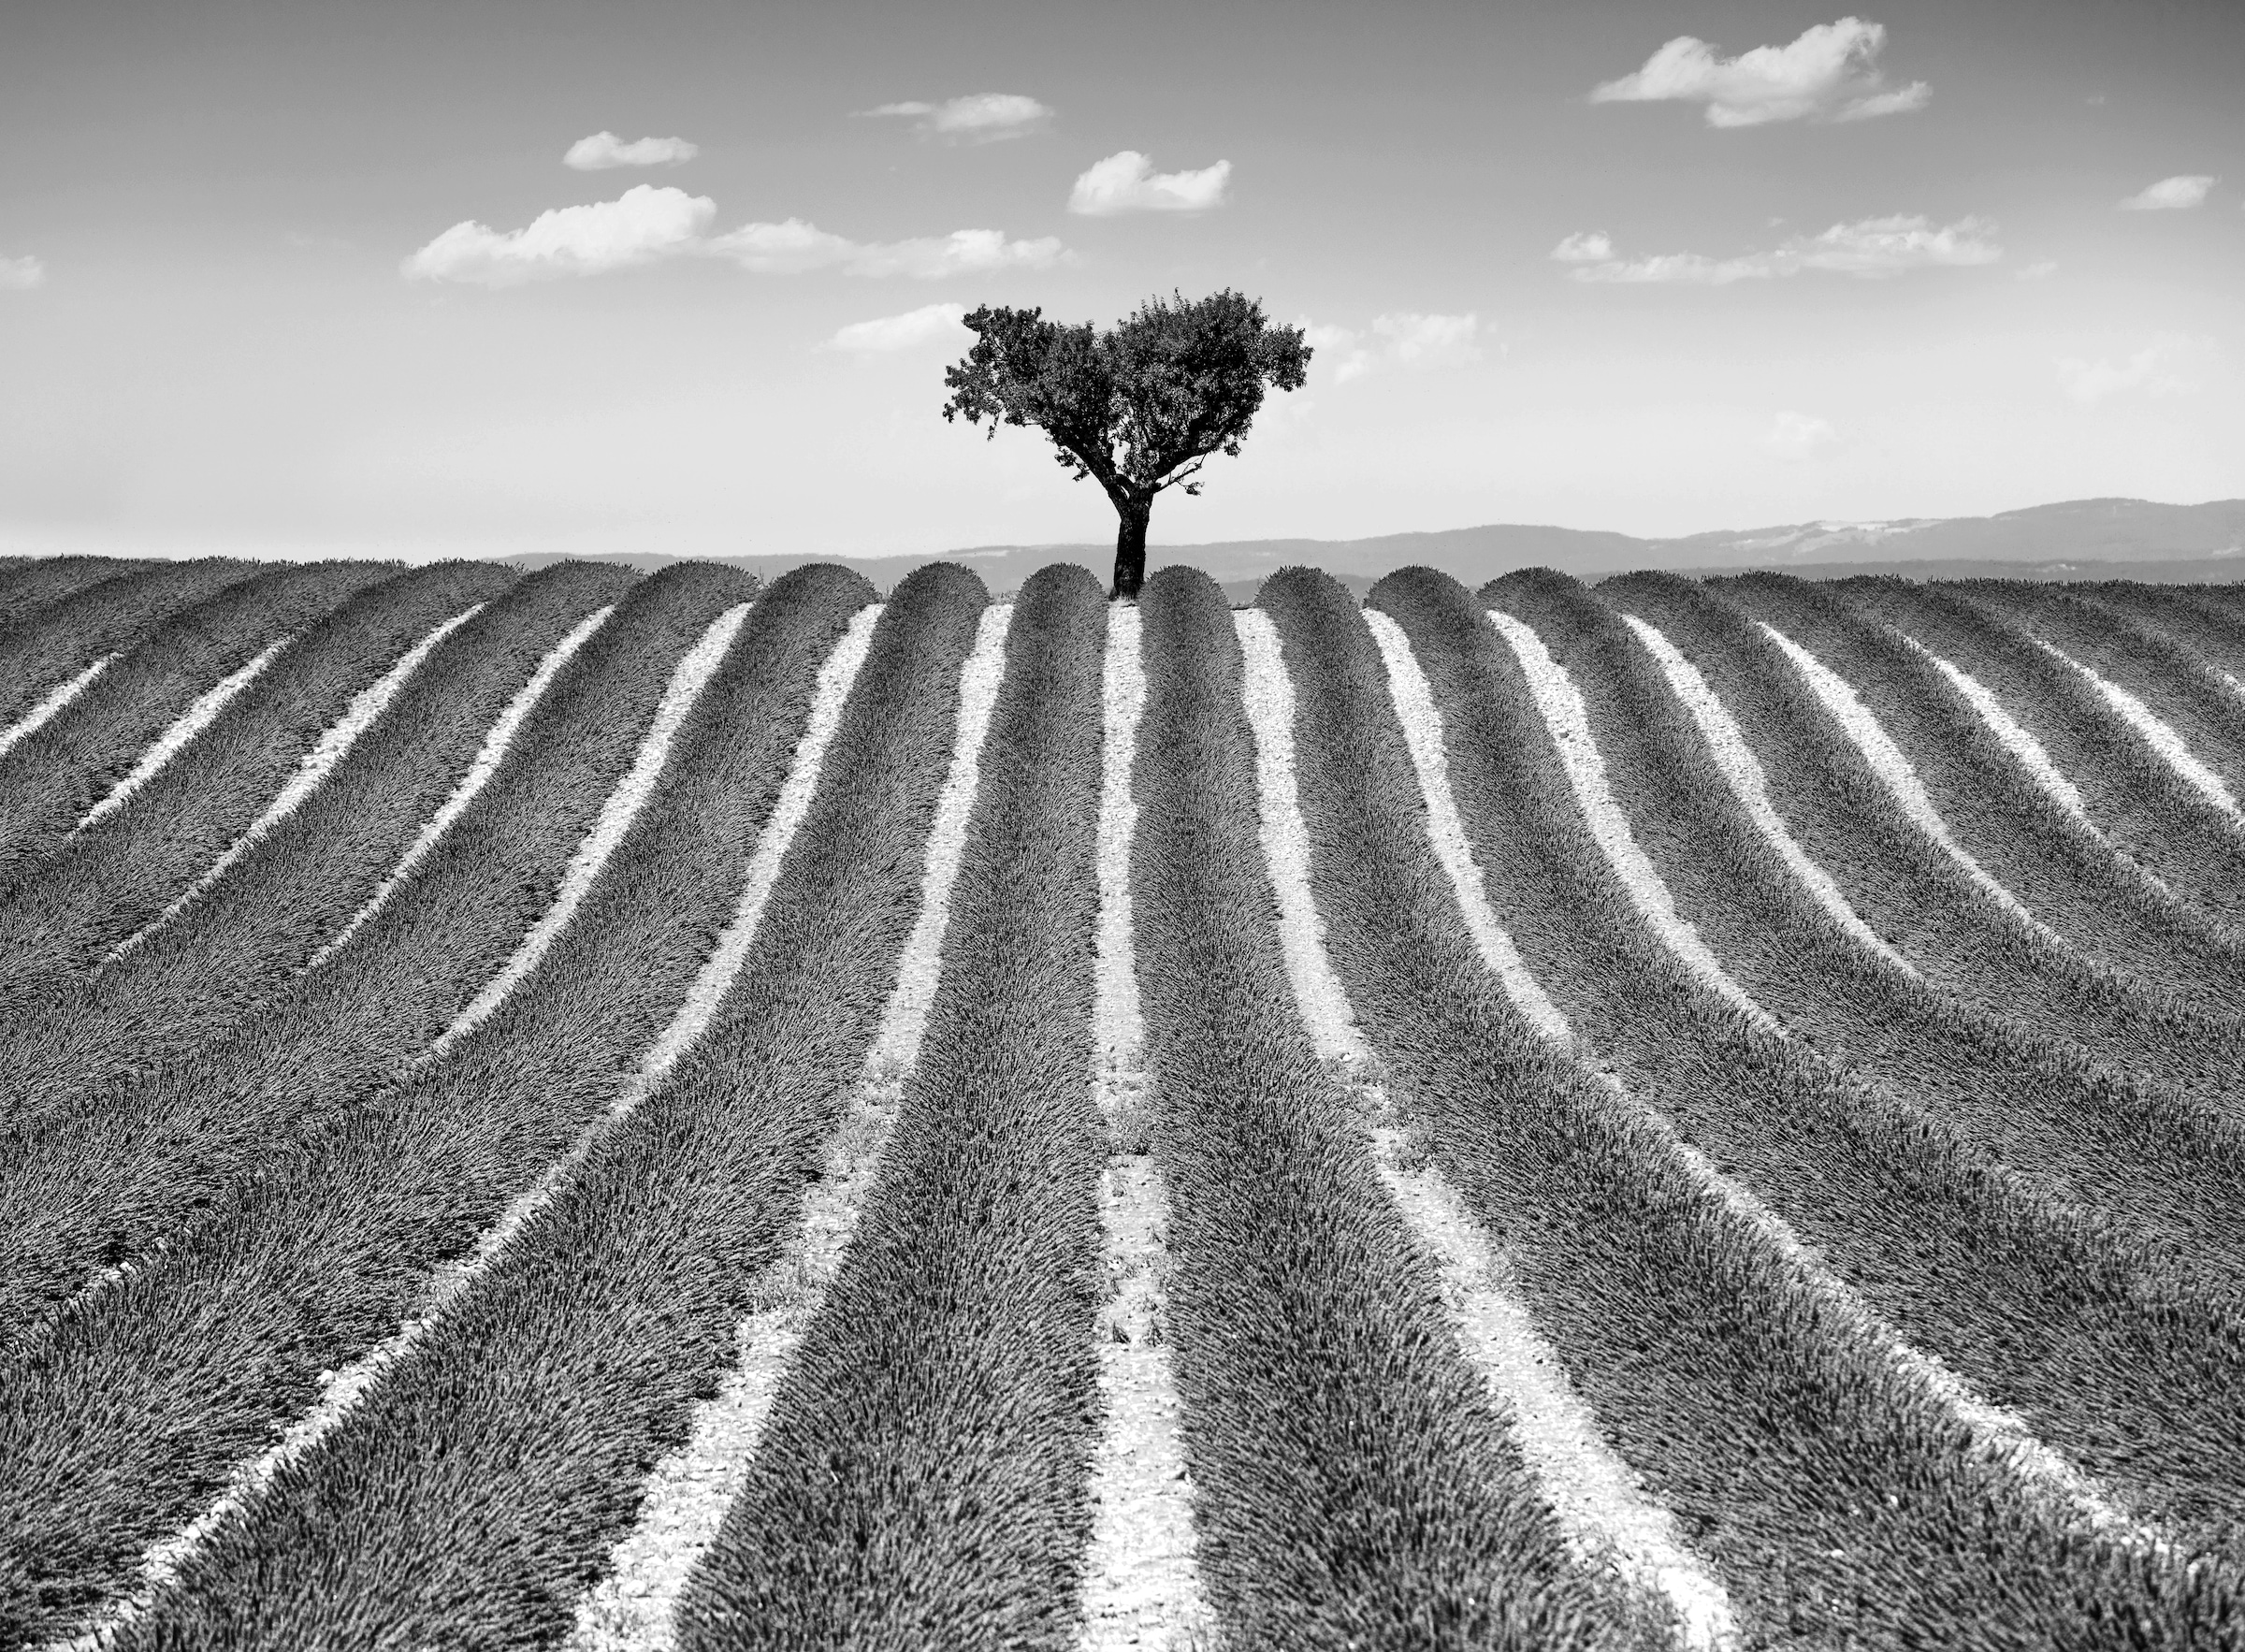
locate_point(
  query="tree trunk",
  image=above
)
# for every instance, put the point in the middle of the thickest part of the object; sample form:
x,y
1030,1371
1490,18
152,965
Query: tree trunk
x,y
1130,547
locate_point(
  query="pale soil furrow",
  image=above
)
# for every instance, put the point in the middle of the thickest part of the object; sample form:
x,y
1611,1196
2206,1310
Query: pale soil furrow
x,y
1999,1434
345,1389
1422,735
32,722
684,1501
496,743
2017,737
173,740
1560,705
329,749
1895,770
1141,1586
2156,732
618,812
1600,1501
1743,773
58,640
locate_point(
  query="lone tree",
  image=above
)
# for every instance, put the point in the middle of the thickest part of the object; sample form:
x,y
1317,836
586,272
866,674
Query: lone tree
x,y
1136,408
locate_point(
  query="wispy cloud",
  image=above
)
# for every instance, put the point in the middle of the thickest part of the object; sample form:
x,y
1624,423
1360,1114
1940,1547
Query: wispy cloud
x,y
983,118
1401,339
2164,366
2171,194
1591,246
928,325
645,223
794,245
1797,435
1868,247
20,275
2041,269
1127,182
1831,73
649,224
604,150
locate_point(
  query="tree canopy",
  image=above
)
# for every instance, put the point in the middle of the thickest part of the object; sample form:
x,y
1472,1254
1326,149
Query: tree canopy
x,y
1138,408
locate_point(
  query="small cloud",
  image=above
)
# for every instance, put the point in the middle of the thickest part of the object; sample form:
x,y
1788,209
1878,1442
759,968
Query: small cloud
x,y
1831,73
604,150
20,275
928,325
1585,247
1126,181
1869,247
1429,341
1886,246
641,225
2164,367
794,245
2041,269
1797,435
985,117
647,223
2171,194
1401,339
786,247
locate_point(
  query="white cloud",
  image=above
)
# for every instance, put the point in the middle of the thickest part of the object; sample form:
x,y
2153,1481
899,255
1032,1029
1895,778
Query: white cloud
x,y
794,245
1831,73
983,118
1592,246
1799,436
1886,246
928,325
605,149
644,224
1126,181
2171,194
2164,367
20,275
1401,339
648,224
784,248
2041,269
1869,247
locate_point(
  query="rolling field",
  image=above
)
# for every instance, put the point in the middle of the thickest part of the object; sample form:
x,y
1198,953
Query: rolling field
x,y
586,1110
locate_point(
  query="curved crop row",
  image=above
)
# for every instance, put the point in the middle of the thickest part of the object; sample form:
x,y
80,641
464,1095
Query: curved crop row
x,y
116,876
1906,888
123,1180
530,1405
220,959
28,585
291,1290
921,1479
2213,633
2157,683
114,737
1353,1484
2169,1170
684,1498
2139,804
106,617
2061,875
1828,1479
2022,1297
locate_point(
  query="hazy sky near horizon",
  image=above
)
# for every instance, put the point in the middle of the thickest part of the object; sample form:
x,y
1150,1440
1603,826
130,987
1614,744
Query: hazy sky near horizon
x,y
274,279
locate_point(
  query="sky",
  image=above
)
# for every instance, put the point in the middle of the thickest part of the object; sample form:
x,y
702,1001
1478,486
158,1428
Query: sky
x,y
489,277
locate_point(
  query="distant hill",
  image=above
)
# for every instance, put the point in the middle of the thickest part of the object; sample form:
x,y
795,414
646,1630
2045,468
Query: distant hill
x,y
2081,538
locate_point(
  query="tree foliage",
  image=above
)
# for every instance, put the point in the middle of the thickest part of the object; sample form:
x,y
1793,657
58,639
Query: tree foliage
x,y
1138,408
